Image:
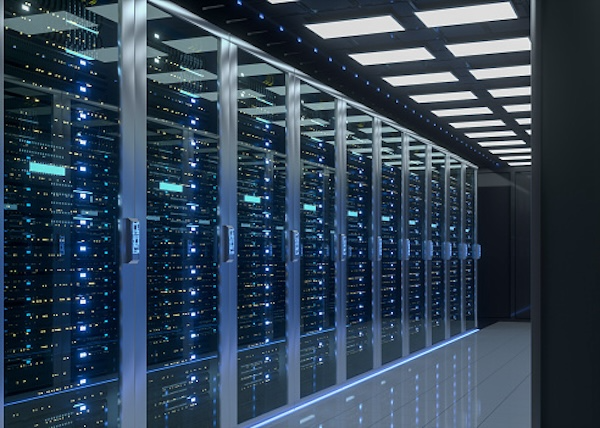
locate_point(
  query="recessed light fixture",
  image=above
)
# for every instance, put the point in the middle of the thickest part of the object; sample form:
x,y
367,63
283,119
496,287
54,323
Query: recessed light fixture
x,y
519,163
356,27
442,97
421,79
501,143
491,134
517,108
477,124
500,72
467,15
510,92
393,56
468,111
528,131
490,47
508,151
515,158
524,121
281,1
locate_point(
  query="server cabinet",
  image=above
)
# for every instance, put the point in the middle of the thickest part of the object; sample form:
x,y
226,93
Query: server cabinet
x,y
416,234
455,292
359,311
437,236
393,246
317,237
472,249
182,216
61,247
262,380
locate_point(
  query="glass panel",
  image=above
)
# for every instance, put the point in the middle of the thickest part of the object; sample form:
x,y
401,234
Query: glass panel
x,y
438,289
317,217
61,155
416,225
182,150
359,290
469,239
261,226
454,225
391,264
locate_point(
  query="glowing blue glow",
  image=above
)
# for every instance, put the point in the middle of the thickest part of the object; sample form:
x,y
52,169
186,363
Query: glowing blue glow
x,y
309,207
47,169
252,199
78,54
352,213
170,187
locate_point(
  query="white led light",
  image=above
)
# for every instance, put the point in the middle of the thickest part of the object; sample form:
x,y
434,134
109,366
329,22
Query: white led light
x,y
490,47
524,121
517,108
25,7
491,134
356,27
503,143
281,1
509,151
421,79
393,56
501,72
510,92
515,158
477,124
519,163
469,111
467,15
445,96
528,131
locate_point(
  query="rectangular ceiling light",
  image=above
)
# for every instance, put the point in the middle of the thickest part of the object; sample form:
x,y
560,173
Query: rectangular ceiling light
x,y
528,131
511,92
421,79
500,72
356,27
469,111
517,108
509,151
467,15
519,163
504,143
443,97
393,56
491,134
524,121
515,158
490,47
281,1
477,124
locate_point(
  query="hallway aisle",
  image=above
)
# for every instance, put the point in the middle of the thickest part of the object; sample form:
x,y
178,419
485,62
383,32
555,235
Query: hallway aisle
x,y
480,381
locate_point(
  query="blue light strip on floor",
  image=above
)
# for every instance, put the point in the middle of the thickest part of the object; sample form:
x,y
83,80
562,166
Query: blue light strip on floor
x,y
363,379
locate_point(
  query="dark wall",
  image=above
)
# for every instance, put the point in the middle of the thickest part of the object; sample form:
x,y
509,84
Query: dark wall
x,y
504,211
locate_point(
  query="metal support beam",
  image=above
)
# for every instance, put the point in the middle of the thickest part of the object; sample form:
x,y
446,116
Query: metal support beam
x,y
376,242
404,234
427,265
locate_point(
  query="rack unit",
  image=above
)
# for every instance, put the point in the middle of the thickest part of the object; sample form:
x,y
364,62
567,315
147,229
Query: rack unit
x,y
291,239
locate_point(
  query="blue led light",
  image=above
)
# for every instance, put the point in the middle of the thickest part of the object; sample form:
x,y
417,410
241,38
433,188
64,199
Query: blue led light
x,y
261,16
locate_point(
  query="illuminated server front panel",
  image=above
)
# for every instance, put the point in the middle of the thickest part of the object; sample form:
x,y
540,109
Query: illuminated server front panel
x,y
437,236
471,248
454,238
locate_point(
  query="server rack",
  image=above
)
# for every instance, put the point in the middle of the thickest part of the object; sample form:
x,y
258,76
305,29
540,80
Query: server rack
x,y
252,323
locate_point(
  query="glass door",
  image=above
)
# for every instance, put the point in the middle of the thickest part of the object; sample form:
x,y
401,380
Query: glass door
x,y
470,241
437,235
454,238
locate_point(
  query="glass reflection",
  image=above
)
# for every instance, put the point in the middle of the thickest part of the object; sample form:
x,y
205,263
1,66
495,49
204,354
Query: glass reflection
x,y
61,154
262,382
182,151
317,217
359,334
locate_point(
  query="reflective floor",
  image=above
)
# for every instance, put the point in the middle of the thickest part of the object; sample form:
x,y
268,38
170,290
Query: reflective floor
x,y
482,380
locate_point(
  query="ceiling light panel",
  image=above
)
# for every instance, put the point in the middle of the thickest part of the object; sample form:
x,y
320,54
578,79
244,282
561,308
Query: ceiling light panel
x,y
469,111
524,121
477,124
281,1
490,47
509,151
510,92
515,158
467,15
421,79
517,108
519,163
491,134
393,56
356,27
504,143
443,97
528,131
501,72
